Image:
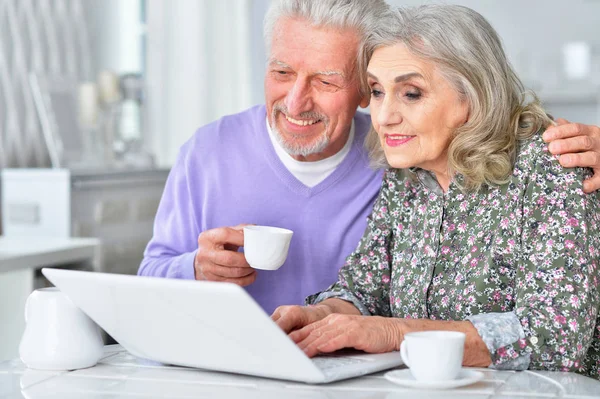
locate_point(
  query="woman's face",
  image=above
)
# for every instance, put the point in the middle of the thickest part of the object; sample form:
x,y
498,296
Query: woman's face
x,y
413,109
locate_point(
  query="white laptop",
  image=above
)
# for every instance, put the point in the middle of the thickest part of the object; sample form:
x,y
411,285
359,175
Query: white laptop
x,y
214,326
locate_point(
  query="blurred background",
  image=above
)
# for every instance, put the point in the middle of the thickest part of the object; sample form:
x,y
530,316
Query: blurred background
x,y
96,97
179,64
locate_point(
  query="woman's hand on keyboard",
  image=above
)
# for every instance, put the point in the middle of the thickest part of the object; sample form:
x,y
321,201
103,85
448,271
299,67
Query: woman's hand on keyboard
x,y
293,317
371,334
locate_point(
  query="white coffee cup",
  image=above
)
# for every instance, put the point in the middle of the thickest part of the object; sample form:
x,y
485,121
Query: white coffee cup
x,y
433,355
58,335
266,247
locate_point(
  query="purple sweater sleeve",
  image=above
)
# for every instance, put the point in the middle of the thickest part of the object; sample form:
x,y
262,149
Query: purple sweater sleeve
x,y
171,251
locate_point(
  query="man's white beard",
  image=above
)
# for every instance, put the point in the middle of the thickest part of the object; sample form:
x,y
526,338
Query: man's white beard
x,y
295,148
302,150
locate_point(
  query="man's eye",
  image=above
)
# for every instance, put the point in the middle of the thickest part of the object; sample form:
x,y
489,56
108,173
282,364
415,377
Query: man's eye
x,y
280,75
325,85
376,93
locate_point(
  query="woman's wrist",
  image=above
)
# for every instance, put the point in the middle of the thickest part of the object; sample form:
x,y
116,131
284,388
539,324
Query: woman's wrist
x,y
321,310
336,305
476,352
396,330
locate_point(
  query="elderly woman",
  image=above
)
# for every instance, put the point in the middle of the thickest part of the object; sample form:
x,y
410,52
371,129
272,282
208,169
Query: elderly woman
x,y
477,227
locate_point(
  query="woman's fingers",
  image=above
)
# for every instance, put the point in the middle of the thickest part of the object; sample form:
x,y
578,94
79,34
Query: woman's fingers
x,y
324,340
301,334
335,332
289,318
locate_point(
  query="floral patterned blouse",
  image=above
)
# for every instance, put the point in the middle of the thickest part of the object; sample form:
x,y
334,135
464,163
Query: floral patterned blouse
x,y
520,261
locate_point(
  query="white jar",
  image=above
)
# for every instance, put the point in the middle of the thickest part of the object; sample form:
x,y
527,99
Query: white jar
x,y
58,335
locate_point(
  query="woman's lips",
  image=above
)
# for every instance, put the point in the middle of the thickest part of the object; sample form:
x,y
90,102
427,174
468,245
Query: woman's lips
x,y
393,140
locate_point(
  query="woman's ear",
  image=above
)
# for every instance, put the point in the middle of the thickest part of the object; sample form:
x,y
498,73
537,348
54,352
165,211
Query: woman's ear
x,y
464,112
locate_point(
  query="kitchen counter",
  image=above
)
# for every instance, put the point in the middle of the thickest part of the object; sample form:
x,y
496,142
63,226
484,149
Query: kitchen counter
x,y
121,375
35,252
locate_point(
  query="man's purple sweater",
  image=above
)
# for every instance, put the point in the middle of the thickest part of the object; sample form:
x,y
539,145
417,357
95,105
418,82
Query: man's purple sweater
x,y
229,173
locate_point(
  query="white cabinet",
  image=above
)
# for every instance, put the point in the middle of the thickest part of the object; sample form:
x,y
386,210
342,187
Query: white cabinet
x,y
118,207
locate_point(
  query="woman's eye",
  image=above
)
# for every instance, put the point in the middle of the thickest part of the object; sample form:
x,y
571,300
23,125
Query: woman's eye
x,y
413,95
376,93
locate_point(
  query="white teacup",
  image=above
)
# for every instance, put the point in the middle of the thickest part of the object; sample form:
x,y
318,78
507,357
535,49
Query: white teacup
x,y
433,355
266,247
58,335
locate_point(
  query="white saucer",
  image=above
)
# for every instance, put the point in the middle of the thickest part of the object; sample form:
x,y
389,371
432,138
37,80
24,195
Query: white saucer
x,y
405,378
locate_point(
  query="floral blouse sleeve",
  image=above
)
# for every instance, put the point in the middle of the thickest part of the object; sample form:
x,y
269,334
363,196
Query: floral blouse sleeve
x,y
498,330
364,279
557,279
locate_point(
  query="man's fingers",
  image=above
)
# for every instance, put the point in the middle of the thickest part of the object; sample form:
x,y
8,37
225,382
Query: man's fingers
x,y
584,159
217,258
241,226
227,258
593,183
587,159
564,131
572,145
218,238
228,272
236,246
241,281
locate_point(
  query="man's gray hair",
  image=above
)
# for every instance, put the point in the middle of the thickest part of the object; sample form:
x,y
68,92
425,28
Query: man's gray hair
x,y
360,15
467,51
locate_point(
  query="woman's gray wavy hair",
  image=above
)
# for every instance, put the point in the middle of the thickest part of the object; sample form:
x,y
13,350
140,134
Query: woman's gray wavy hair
x,y
360,15
469,54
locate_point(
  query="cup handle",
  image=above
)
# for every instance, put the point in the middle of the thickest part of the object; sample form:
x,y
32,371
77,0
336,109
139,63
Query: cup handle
x,y
404,353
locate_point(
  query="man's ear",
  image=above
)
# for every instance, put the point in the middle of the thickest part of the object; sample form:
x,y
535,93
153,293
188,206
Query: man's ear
x,y
365,100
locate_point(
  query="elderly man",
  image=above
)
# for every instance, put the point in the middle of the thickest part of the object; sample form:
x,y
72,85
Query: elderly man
x,y
297,162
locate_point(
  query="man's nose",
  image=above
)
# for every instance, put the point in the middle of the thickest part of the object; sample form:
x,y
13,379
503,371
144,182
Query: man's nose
x,y
299,98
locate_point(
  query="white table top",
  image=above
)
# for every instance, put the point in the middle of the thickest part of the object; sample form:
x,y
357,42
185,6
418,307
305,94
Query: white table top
x,y
35,252
120,375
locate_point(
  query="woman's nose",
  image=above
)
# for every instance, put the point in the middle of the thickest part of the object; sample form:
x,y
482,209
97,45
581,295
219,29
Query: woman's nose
x,y
299,98
389,112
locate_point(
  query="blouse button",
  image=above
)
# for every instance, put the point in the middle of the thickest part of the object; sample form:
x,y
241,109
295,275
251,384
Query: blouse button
x,y
533,340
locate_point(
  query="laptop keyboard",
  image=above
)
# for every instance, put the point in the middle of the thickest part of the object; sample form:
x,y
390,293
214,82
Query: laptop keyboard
x,y
327,363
